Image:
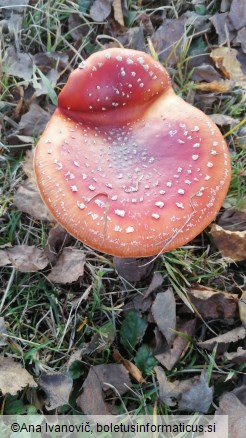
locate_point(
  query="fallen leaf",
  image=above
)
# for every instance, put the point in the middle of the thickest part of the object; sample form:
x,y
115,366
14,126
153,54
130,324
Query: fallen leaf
x,y
225,5
223,120
199,397
170,356
198,22
237,14
69,266
91,401
164,314
58,238
231,244
168,40
27,165
26,258
15,5
34,121
28,200
45,61
155,283
238,356
133,38
101,340
133,370
4,258
241,37
223,26
212,303
171,390
100,10
230,405
240,392
145,21
118,13
13,377
242,308
3,332
215,87
57,387
78,27
133,269
206,72
101,379
233,220
11,25
18,64
222,341
225,59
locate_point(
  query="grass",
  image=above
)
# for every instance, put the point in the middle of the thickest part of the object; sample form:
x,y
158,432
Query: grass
x,y
46,323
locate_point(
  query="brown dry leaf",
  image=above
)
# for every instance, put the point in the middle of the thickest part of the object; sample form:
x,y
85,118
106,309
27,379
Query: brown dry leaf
x,y
69,266
77,26
100,10
222,341
11,25
169,357
237,14
233,220
224,28
241,37
133,269
45,61
100,340
34,121
58,238
133,370
226,60
101,379
91,401
18,64
57,387
3,332
169,390
27,258
215,86
231,405
28,200
133,38
168,40
155,283
164,314
27,165
231,244
144,20
118,13
13,377
223,120
142,303
205,72
212,303
242,308
4,258
238,356
199,397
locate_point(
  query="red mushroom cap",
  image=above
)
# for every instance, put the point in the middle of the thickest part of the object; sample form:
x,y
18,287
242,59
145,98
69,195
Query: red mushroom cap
x,y
125,165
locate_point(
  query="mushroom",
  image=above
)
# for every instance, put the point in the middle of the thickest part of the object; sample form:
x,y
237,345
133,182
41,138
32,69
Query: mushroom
x,y
127,166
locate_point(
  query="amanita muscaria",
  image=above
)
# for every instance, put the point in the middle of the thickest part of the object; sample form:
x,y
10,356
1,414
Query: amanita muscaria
x,y
127,166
